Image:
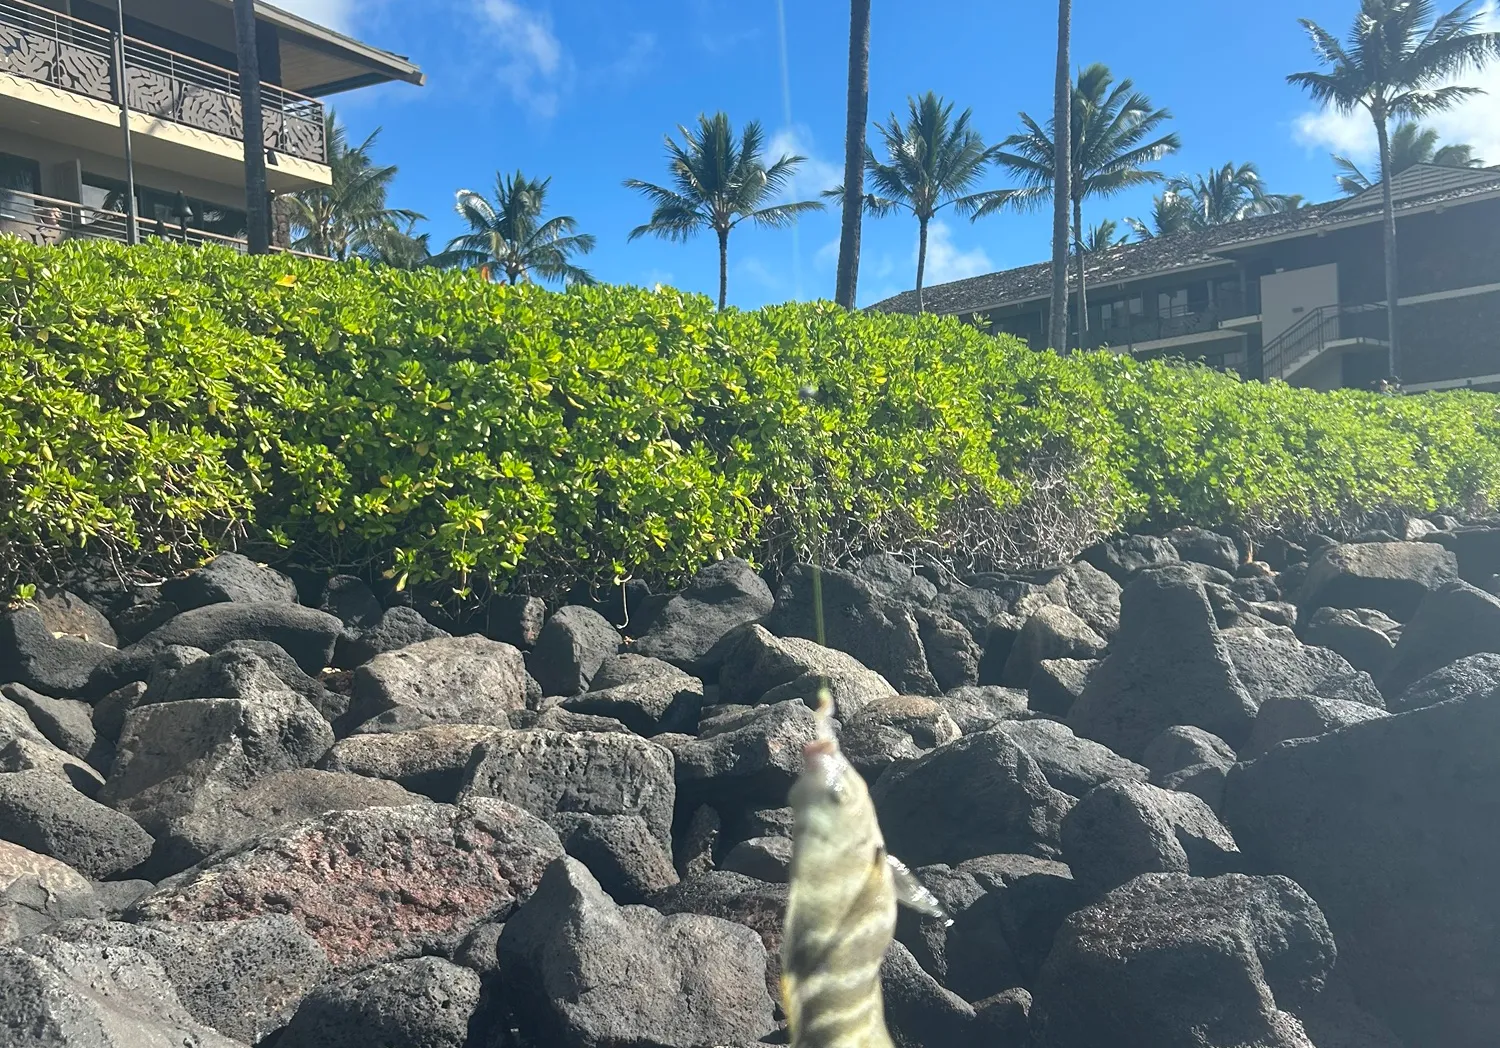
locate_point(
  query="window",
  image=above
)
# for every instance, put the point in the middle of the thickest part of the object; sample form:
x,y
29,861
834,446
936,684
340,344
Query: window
x,y
18,175
1172,303
1121,313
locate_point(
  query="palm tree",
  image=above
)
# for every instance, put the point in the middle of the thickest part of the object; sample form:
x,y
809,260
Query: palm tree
x,y
1102,237
1062,178
508,239
1411,144
343,219
1112,125
1394,66
1231,193
717,183
854,152
932,161
400,248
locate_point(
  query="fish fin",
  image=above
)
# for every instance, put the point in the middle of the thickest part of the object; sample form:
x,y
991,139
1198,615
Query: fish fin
x,y
913,893
789,1005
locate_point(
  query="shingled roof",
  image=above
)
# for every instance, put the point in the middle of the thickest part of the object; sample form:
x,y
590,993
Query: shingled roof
x,y
1415,188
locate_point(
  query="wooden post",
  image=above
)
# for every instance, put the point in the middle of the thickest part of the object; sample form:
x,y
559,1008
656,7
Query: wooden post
x,y
257,198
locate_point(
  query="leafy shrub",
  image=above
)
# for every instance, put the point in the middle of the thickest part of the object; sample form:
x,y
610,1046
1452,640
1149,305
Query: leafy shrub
x,y
160,402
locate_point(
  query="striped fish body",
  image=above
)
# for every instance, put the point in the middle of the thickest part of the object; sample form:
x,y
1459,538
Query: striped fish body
x,y
841,910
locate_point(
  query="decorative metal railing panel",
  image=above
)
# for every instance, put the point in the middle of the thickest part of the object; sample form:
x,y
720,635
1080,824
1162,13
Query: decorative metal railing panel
x,y
78,57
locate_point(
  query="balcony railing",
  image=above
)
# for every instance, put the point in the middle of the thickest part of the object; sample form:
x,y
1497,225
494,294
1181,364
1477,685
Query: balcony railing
x,y
1155,326
45,221
78,56
1306,340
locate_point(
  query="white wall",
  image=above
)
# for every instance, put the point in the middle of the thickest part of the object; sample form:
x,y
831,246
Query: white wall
x,y
1286,297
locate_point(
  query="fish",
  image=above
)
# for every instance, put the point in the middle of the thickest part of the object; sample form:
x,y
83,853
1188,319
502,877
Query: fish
x,y
841,907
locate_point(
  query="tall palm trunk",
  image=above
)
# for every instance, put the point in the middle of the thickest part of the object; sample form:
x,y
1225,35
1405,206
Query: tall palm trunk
x,y
1393,353
854,152
1061,174
723,269
257,197
1083,294
921,260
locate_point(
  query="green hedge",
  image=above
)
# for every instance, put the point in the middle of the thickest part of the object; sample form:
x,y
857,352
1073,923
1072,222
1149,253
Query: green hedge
x,y
160,402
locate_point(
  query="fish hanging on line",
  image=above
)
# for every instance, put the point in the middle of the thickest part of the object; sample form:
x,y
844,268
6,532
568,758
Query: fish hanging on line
x,y
841,908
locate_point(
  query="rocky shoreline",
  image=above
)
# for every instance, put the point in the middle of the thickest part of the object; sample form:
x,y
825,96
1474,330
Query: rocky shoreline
x,y
1177,792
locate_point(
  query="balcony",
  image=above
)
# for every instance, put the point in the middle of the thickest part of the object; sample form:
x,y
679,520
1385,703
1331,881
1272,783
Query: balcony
x,y
47,221
1175,327
78,57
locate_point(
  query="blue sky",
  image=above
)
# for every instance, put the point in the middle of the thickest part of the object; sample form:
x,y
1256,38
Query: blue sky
x,y
584,90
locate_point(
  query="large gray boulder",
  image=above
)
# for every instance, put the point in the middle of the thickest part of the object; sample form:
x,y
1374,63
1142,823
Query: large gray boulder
x,y
66,613
450,680
1172,961
1087,592
398,628
895,730
1302,717
882,634
1051,632
37,892
1381,823
758,666
622,852
430,761
1071,764
1168,665
952,655
1183,746
374,885
722,596
1057,684
218,820
1123,557
1363,636
896,579
24,748
1126,828
580,970
170,752
425,1002
555,775
1477,550
1272,664
758,905
66,723
31,655
980,795
1205,547
572,646
981,707
751,765
59,995
920,1011
1468,678
42,812
305,634
1392,577
647,695
1452,623
228,577
244,979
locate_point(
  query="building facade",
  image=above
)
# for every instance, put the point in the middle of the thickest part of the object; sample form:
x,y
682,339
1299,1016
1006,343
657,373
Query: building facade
x,y
1298,296
62,91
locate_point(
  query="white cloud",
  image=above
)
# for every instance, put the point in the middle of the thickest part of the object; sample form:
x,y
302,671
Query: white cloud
x,y
531,61
813,175
827,256
335,14
947,262
1475,121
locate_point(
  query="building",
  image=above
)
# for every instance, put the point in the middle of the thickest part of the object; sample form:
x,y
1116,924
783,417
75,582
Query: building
x,y
1298,296
62,148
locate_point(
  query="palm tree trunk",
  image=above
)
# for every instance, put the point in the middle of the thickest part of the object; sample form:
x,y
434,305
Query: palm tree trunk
x,y
921,260
257,198
1061,178
854,151
723,269
1393,358
1083,294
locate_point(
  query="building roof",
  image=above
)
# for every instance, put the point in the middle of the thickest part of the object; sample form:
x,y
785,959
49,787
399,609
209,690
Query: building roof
x,y
1415,189
317,61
